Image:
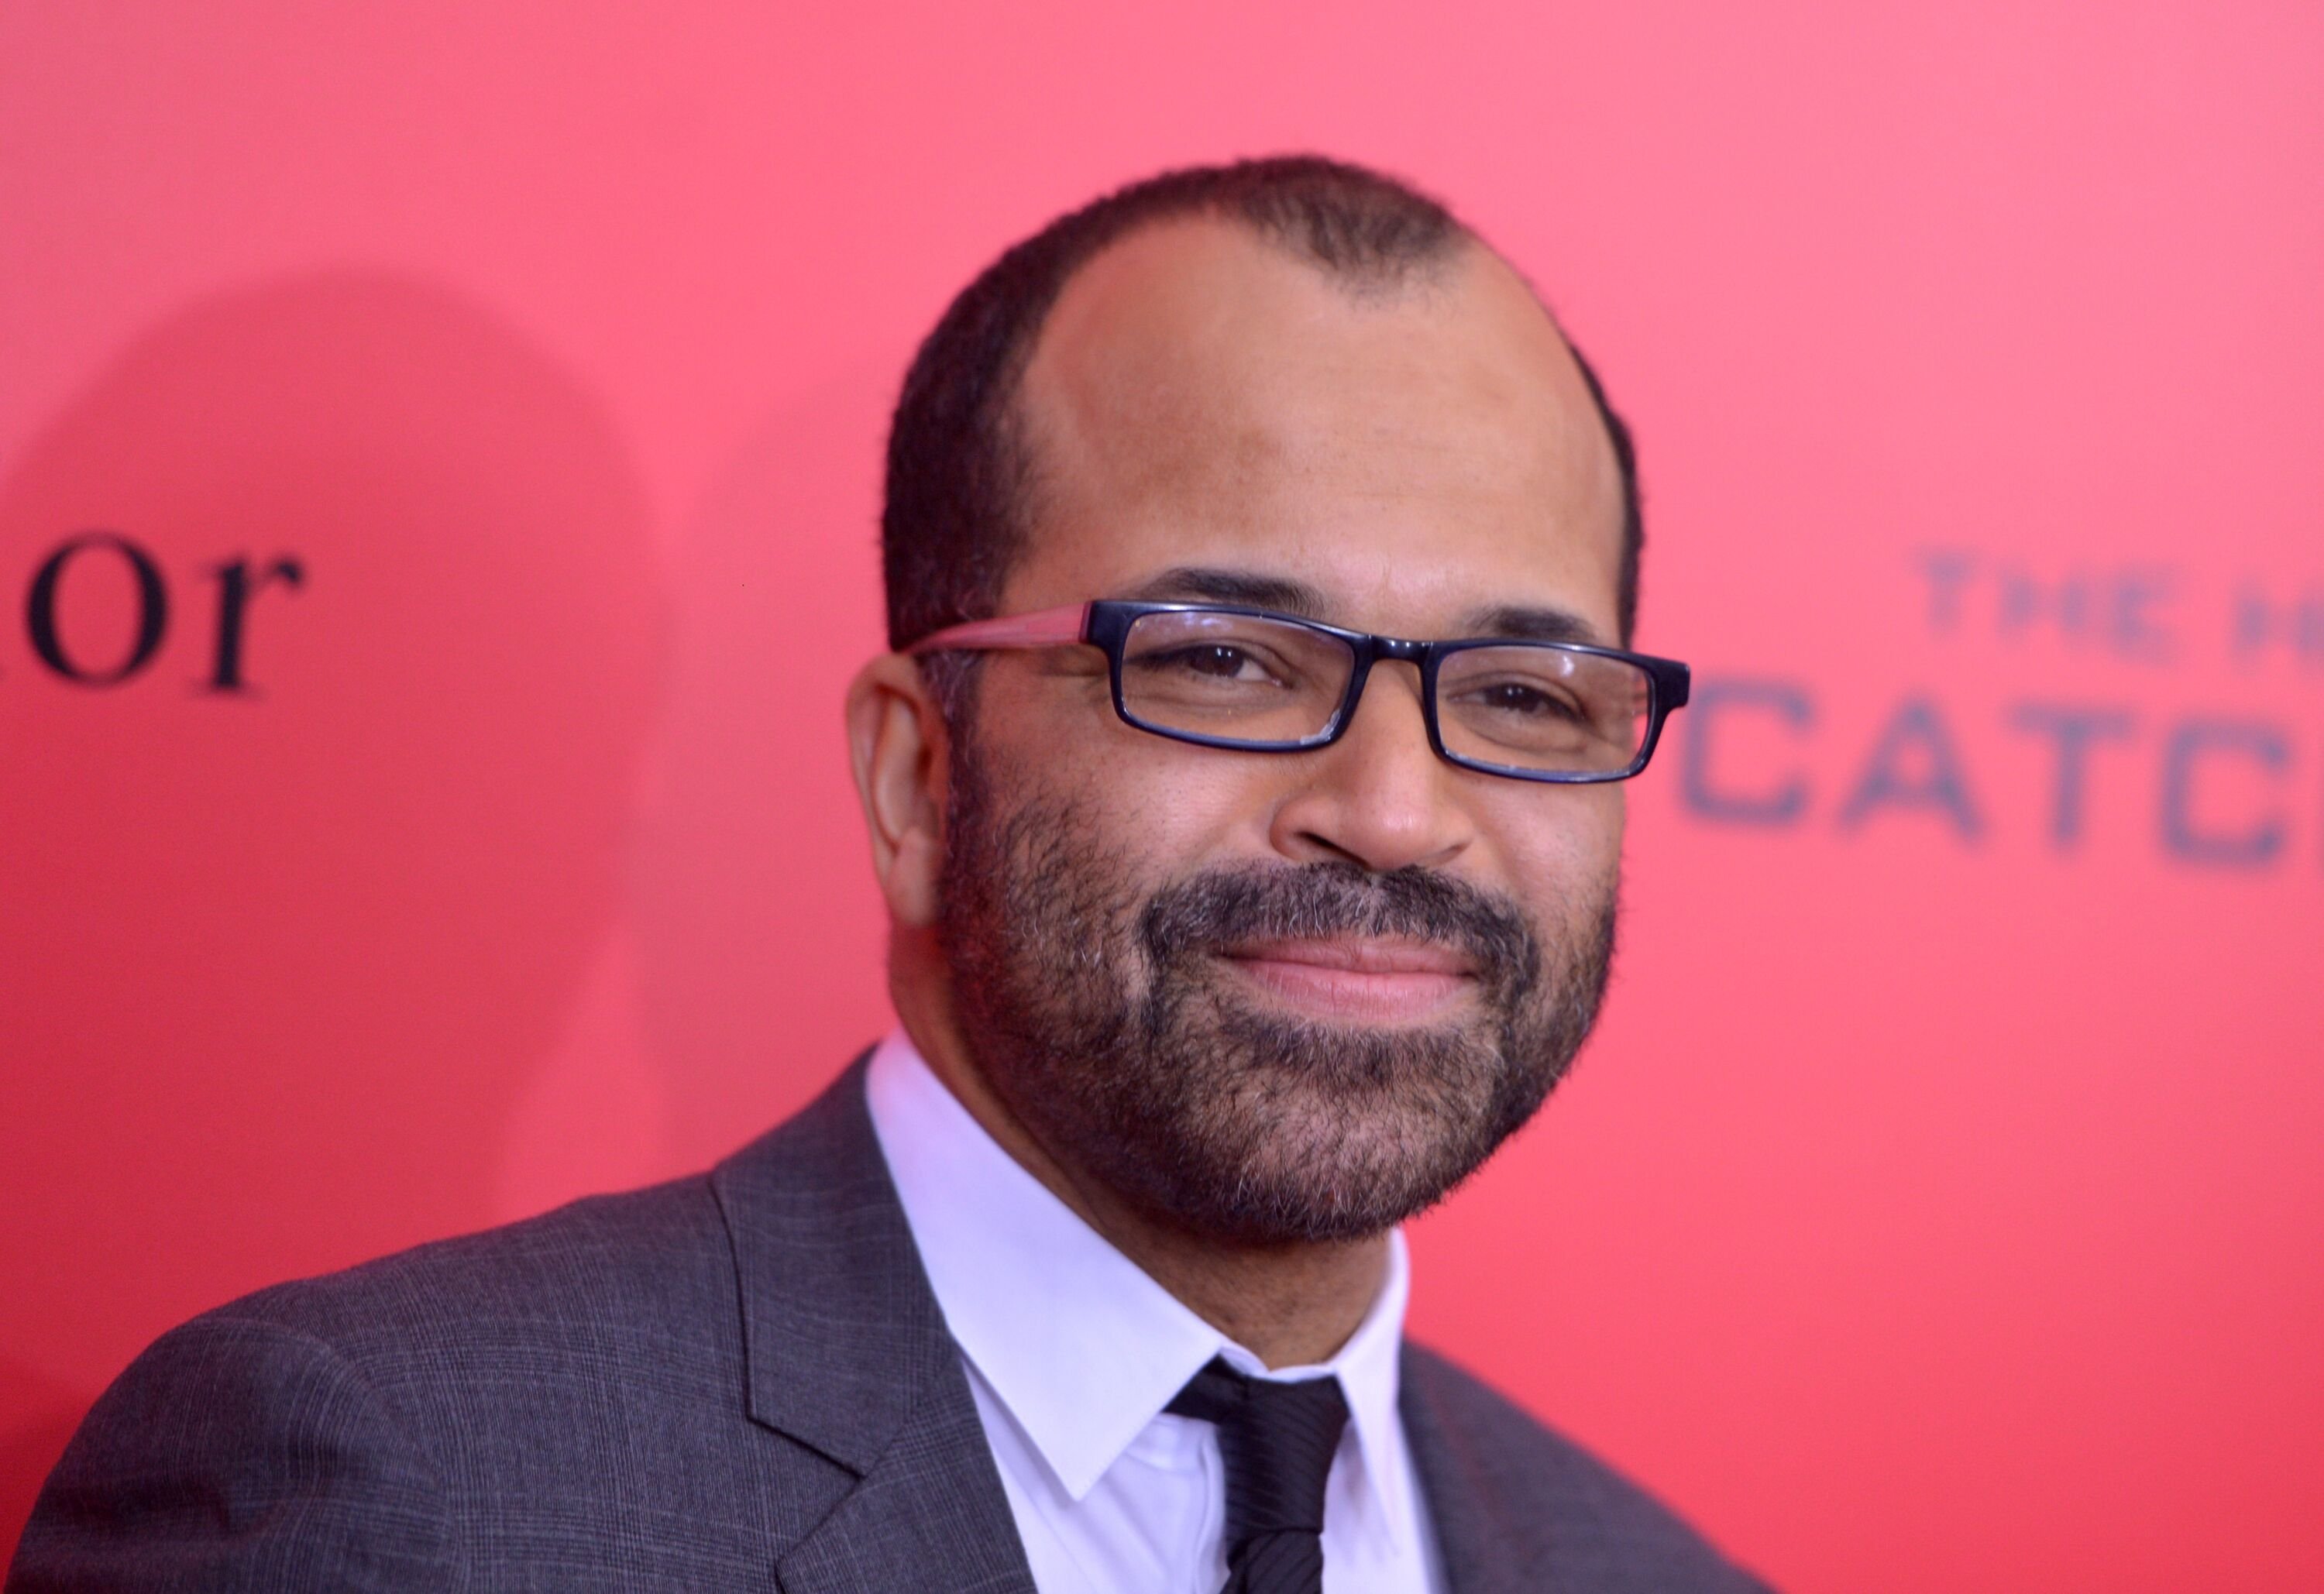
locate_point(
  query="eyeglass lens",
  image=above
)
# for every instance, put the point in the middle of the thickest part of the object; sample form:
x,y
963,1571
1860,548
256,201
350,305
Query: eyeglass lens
x,y
1242,678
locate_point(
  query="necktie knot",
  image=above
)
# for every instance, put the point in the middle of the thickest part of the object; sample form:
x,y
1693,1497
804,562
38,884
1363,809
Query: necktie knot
x,y
1277,1440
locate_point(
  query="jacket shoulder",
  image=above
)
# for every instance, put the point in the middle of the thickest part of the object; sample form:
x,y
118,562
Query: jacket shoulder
x,y
500,1348
394,1423
1581,1523
649,1259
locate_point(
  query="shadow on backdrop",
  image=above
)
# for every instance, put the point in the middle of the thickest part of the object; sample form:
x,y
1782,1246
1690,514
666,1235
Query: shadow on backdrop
x,y
760,932
321,760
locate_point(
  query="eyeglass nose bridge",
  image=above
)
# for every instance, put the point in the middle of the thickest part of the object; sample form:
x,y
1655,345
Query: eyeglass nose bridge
x,y
1369,650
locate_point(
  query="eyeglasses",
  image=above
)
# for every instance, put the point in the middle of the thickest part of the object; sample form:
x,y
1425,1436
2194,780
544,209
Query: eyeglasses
x,y
1256,681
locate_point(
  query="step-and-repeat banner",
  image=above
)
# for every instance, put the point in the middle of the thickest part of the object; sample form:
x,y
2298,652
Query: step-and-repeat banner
x,y
438,473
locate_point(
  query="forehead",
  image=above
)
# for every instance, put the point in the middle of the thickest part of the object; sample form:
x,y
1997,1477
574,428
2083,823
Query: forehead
x,y
1415,450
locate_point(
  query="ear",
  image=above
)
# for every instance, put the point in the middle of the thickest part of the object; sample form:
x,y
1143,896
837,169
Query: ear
x,y
897,740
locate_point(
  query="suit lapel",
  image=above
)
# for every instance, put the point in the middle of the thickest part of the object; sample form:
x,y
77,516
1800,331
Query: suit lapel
x,y
1481,1554
849,1356
930,1515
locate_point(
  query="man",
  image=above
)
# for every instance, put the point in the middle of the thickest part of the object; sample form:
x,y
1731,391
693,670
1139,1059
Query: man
x,y
1244,789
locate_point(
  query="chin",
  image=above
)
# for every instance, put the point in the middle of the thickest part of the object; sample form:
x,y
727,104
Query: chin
x,y
1342,1132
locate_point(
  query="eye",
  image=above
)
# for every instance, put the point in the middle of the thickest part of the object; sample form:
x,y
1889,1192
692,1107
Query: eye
x,y
1530,702
1217,661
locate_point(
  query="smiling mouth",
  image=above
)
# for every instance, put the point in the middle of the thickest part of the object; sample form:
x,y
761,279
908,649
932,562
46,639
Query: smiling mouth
x,y
1361,979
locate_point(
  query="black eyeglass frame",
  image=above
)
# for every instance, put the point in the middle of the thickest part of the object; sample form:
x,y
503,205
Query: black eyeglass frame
x,y
1106,622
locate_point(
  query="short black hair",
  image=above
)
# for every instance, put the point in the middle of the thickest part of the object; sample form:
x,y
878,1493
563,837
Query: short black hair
x,y
958,472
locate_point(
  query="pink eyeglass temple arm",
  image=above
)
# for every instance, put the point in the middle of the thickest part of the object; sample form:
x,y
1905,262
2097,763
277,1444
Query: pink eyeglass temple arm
x,y
1044,629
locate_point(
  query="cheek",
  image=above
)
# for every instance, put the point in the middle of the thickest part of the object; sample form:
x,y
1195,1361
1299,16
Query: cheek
x,y
1168,808
1560,857
1165,804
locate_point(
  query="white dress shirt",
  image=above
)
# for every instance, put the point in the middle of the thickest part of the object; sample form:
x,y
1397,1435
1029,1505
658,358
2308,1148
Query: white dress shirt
x,y
1072,1351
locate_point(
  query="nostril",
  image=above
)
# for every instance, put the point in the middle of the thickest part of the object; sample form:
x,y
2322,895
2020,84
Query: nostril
x,y
1314,847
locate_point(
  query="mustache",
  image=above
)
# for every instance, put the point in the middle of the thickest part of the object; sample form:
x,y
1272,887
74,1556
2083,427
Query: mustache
x,y
1237,904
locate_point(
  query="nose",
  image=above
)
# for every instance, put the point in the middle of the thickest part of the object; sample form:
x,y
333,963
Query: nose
x,y
1379,796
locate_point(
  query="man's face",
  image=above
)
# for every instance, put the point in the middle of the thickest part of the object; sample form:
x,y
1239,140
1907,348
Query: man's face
x,y
1275,997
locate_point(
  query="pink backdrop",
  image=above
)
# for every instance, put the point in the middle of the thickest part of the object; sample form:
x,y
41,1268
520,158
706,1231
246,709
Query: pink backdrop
x,y
483,406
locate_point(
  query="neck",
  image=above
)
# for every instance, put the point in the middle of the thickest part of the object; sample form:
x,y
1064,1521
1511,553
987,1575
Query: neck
x,y
1290,1305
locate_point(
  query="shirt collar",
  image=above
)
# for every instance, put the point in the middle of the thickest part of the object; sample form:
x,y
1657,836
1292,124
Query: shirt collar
x,y
1082,1346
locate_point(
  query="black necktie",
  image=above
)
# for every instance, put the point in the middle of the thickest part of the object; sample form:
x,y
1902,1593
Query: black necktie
x,y
1277,1440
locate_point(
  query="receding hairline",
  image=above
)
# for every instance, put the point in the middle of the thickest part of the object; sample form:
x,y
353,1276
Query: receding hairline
x,y
1372,280
1440,273
1375,282
1375,278
1366,280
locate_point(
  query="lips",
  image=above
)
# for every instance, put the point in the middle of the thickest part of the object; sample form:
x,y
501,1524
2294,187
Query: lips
x,y
1358,979
1361,955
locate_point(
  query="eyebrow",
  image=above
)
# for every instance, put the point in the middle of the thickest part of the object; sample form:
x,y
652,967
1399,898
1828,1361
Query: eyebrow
x,y
1528,625
1209,584
1204,585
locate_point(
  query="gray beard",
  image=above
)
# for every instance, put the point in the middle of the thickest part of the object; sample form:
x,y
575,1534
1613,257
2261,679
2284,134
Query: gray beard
x,y
1106,1023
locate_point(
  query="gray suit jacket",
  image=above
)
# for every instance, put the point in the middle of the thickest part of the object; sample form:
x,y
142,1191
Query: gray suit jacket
x,y
739,1381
